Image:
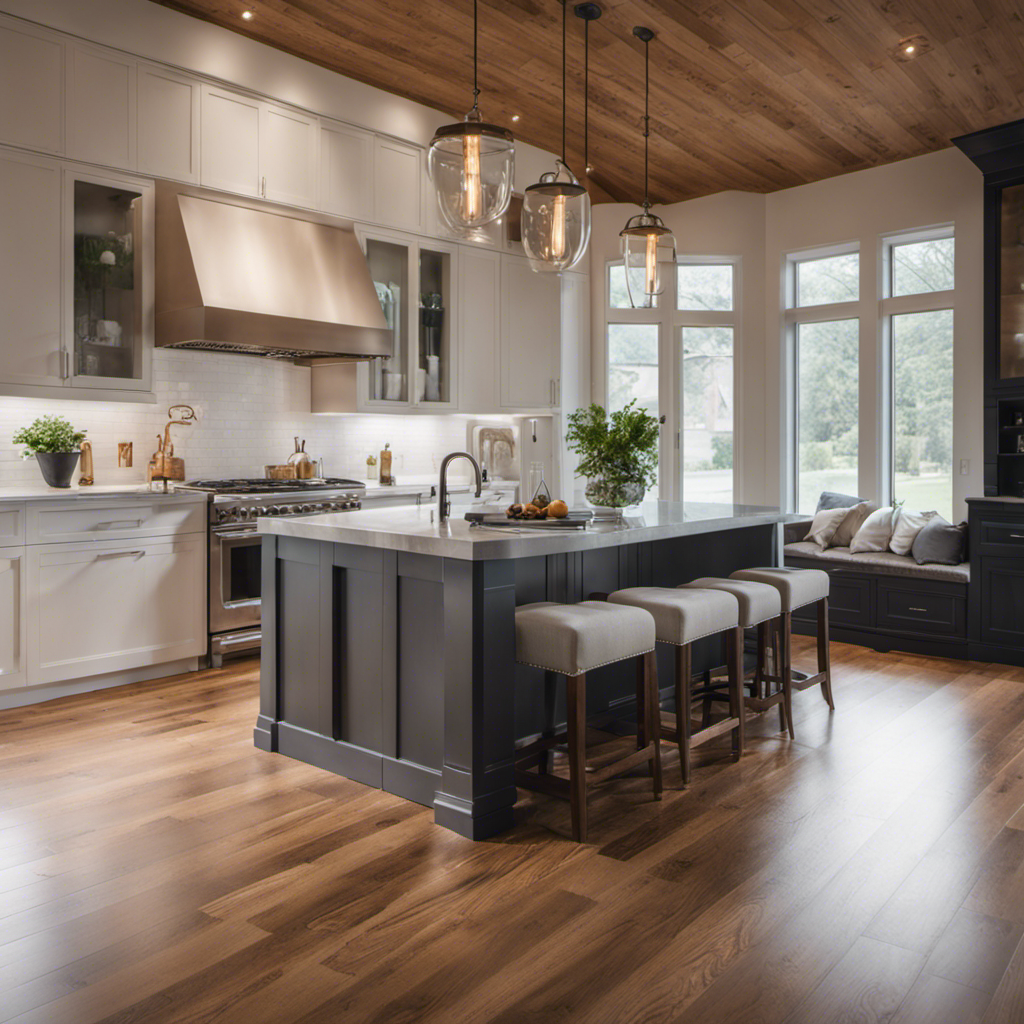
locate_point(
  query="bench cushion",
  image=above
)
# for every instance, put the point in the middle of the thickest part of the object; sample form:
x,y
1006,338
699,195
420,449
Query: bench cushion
x,y
884,563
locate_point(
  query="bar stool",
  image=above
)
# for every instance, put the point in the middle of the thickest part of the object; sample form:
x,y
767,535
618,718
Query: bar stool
x,y
759,604
571,640
681,617
797,588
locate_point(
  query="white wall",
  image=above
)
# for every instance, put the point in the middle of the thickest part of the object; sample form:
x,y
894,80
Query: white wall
x,y
862,207
249,410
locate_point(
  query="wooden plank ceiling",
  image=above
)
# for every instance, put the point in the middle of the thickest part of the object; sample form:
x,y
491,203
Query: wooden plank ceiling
x,y
755,95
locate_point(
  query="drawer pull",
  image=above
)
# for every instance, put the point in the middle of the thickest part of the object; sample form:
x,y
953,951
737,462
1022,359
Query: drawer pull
x,y
913,609
120,554
1017,536
119,524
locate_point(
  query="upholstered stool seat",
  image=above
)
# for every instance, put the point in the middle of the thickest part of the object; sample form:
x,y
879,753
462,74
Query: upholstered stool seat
x,y
682,616
571,640
797,588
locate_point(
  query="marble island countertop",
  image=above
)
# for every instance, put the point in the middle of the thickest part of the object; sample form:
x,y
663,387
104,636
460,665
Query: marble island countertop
x,y
416,529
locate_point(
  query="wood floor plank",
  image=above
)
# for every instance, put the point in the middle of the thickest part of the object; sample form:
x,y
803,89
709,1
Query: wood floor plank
x,y
975,950
933,999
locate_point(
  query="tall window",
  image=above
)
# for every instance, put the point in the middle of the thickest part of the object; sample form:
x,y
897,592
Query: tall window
x,y
825,344
918,310
704,318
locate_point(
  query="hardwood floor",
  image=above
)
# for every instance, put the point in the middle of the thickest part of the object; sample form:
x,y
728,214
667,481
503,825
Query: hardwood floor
x,y
156,867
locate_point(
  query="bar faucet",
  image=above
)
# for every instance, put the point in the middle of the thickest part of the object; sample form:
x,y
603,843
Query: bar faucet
x,y
444,506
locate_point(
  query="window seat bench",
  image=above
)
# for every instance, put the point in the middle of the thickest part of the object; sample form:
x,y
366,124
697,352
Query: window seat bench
x,y
887,601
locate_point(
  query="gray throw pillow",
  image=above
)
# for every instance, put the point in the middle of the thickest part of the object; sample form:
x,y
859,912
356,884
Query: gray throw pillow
x,y
833,499
941,543
843,537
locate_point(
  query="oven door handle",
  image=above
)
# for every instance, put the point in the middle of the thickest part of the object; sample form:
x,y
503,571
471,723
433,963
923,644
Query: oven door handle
x,y
248,531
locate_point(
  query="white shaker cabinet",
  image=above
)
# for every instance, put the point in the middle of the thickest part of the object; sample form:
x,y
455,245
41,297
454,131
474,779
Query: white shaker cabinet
x,y
168,124
101,106
31,87
12,618
346,170
530,336
30,270
108,606
398,184
479,328
230,154
289,141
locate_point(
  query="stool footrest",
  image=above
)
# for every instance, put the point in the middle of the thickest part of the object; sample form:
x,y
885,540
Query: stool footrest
x,y
623,764
551,785
709,732
762,704
803,684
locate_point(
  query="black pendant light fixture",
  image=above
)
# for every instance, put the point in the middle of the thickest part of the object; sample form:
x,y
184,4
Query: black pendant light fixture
x,y
647,244
556,210
471,164
589,13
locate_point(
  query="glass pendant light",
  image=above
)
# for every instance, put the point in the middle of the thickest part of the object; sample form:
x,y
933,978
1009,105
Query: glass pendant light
x,y
556,211
471,164
647,245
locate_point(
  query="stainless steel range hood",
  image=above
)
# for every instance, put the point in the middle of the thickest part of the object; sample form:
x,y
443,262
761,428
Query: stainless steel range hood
x,y
234,279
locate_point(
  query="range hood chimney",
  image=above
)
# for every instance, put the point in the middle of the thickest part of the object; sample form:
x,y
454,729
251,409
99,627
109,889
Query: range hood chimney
x,y
234,279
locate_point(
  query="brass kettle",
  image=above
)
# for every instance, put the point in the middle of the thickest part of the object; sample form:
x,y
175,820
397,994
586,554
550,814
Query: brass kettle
x,y
164,465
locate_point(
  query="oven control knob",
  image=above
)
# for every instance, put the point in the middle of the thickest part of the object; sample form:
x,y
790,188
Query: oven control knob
x,y
223,514
262,510
305,508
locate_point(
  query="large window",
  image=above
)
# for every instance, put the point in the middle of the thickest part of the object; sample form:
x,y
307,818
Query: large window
x,y
827,409
633,366
919,282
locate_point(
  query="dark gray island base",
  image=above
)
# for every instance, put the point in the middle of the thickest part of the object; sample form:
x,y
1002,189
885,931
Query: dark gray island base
x,y
389,640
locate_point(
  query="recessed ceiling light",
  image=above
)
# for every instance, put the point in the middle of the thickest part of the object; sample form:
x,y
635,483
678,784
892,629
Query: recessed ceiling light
x,y
247,15
909,48
515,118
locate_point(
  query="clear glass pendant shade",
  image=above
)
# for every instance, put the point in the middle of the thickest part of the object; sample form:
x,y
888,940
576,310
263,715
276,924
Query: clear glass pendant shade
x,y
648,248
471,165
556,221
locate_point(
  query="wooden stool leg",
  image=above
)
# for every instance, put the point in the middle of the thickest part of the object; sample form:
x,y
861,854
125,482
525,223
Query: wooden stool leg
x,y
762,659
824,658
683,670
737,708
643,717
576,701
546,758
787,669
705,718
650,670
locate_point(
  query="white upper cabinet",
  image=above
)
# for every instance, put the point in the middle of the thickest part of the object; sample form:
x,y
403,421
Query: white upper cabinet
x,y
101,106
31,250
31,87
168,124
530,336
346,170
479,328
230,156
288,156
398,184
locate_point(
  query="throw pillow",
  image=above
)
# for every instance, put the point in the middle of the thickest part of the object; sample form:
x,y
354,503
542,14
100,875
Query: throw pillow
x,y
908,526
940,542
876,531
852,523
825,524
833,499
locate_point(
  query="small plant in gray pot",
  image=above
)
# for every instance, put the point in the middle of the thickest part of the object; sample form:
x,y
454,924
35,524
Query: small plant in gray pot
x,y
618,454
56,446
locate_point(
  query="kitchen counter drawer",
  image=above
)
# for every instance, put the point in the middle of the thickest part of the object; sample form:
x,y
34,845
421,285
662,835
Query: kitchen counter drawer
x,y
12,525
157,517
910,607
999,535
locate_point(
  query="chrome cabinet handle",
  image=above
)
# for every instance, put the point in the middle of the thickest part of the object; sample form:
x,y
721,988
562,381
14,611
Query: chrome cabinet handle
x,y
115,524
913,609
120,554
1017,536
263,187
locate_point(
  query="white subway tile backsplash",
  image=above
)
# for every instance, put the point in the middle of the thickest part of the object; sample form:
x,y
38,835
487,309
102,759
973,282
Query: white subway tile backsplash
x,y
248,410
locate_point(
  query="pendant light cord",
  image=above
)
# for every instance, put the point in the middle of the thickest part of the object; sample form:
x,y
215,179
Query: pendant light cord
x,y
586,98
476,89
647,116
564,6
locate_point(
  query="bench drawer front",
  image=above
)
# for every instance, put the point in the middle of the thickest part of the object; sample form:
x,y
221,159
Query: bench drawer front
x,y
1000,535
850,601
911,609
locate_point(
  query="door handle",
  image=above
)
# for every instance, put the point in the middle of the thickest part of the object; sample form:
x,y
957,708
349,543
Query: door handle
x,y
1017,536
65,367
120,554
263,187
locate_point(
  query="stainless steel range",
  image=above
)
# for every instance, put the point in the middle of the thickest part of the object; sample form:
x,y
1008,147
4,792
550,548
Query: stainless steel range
x,y
234,563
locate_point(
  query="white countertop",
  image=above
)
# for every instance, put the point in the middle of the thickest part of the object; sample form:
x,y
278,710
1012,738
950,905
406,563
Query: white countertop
x,y
41,492
415,529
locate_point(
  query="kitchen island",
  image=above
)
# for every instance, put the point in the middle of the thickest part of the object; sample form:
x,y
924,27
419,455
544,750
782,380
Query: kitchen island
x,y
389,637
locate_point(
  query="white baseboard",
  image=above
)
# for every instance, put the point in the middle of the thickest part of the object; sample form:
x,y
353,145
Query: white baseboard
x,y
25,695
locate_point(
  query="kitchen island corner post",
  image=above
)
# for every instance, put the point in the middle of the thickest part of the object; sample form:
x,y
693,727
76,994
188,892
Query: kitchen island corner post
x,y
477,791
265,732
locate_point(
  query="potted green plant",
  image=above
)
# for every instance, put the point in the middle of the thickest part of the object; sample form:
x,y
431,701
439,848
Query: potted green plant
x,y
618,453
55,445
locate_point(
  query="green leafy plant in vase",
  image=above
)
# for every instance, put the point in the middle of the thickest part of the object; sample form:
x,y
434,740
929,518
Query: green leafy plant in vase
x,y
56,446
618,453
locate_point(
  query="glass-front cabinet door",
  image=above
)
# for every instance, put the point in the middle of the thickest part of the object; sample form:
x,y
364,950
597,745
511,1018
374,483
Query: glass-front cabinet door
x,y
1010,365
415,283
109,283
